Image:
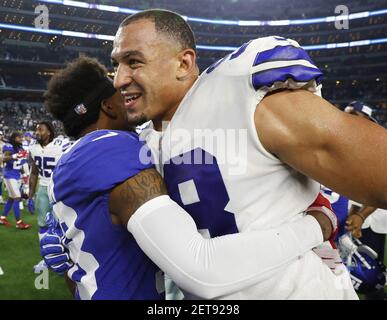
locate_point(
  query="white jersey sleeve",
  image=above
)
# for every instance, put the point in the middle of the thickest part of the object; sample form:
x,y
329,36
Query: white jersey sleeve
x,y
273,63
210,268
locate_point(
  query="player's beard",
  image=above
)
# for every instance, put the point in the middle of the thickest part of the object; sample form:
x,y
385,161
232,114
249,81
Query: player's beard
x,y
137,120
39,139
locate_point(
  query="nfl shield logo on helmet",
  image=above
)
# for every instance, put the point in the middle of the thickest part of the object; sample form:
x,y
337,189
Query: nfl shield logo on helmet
x,y
80,109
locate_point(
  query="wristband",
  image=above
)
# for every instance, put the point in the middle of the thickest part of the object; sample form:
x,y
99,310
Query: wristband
x,y
328,213
357,214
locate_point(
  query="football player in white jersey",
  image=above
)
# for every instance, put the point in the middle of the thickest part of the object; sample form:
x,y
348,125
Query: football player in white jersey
x,y
43,156
268,92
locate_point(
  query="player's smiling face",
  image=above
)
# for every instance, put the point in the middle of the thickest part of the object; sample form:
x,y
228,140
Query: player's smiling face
x,y
146,62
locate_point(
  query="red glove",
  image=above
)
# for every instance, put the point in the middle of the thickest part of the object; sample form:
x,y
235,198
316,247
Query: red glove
x,y
323,205
22,154
328,252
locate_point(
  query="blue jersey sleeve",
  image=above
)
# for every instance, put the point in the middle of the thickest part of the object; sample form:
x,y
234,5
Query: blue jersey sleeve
x,y
8,148
102,160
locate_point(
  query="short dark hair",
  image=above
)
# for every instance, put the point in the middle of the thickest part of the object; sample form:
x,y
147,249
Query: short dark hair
x,y
70,87
168,22
50,128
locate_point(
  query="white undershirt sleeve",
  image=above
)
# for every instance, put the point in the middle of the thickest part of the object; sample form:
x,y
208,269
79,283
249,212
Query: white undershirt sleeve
x,y
209,268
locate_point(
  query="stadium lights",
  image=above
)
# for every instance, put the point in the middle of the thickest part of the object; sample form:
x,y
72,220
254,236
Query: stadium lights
x,y
358,15
200,47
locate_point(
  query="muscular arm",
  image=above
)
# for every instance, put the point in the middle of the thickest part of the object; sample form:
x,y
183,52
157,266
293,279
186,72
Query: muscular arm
x,y
127,197
313,137
34,174
205,267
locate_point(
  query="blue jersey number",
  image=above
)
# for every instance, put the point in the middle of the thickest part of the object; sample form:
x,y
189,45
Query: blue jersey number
x,y
203,185
45,165
232,56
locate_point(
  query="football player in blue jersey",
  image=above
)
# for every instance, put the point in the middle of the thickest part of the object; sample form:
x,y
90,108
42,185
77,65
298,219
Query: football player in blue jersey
x,y
14,157
1,166
105,190
271,88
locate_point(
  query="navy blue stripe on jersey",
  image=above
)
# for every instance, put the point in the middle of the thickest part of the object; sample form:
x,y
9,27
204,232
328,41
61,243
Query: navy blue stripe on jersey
x,y
282,53
240,50
280,38
298,73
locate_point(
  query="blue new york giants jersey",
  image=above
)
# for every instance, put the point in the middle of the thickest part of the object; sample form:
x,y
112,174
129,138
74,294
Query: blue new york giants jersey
x,y
340,207
108,262
13,167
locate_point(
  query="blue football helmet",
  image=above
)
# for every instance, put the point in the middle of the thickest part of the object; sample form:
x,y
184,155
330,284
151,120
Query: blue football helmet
x,y
368,273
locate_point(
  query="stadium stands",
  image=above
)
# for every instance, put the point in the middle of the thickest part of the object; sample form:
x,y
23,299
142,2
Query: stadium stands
x,y
28,59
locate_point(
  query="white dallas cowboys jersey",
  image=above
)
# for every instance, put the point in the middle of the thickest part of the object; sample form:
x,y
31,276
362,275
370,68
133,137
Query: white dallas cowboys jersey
x,y
216,168
46,158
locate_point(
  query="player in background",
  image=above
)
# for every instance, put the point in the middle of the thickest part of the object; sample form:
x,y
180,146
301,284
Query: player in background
x,y
270,89
1,166
43,156
372,233
14,157
102,189
368,217
28,140
358,213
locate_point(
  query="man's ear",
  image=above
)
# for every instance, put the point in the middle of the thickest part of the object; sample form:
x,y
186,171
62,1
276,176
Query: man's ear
x,y
187,64
108,109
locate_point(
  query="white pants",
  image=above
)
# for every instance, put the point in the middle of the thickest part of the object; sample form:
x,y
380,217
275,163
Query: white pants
x,y
13,188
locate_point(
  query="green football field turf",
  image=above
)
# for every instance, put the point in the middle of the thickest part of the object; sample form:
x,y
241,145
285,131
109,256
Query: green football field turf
x,y
19,252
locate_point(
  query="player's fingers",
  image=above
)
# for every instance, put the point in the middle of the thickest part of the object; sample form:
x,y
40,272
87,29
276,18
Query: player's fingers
x,y
51,249
356,233
61,268
50,239
57,259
